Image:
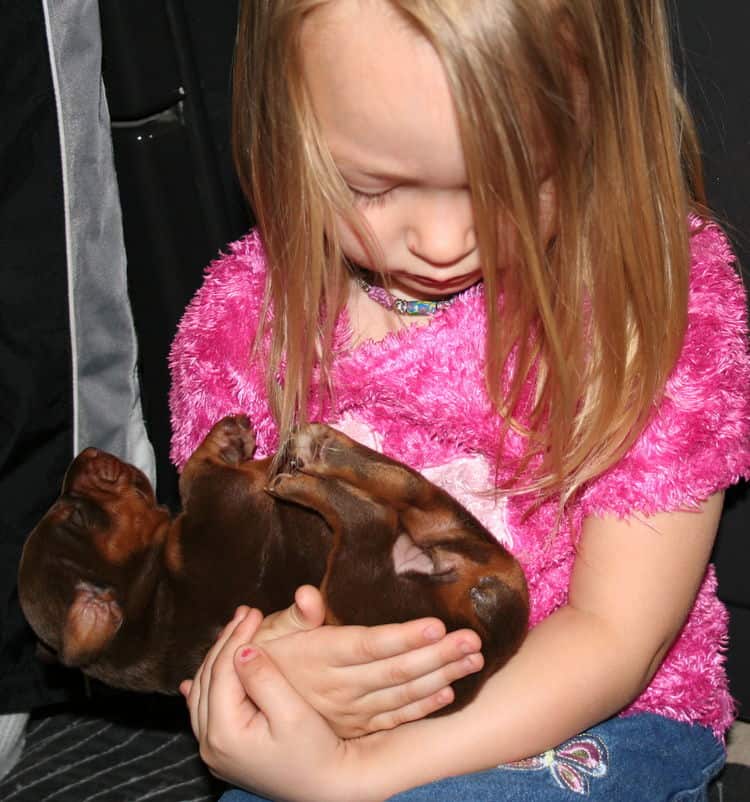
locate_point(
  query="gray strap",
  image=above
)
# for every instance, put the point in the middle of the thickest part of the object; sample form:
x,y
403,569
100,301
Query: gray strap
x,y
106,396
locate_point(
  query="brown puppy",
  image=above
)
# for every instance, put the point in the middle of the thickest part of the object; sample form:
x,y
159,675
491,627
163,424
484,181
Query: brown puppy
x,y
113,584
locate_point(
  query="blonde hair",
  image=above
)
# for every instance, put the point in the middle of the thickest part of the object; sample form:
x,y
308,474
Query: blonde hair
x,y
594,320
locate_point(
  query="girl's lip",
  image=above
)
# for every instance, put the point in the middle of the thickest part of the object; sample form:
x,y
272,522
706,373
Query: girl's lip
x,y
448,283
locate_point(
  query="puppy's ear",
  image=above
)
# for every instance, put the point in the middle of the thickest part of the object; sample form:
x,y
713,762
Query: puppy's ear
x,y
92,621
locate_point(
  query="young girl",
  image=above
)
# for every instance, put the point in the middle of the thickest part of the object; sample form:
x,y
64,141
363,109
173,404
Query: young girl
x,y
481,249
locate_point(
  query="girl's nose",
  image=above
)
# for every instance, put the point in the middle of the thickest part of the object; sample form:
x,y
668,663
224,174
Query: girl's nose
x,y
441,229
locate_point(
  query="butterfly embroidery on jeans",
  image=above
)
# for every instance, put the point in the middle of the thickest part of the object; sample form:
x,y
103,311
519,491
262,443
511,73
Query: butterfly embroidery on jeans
x,y
571,764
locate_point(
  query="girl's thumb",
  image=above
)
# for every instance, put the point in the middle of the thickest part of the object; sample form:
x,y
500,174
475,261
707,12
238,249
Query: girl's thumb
x,y
266,686
308,610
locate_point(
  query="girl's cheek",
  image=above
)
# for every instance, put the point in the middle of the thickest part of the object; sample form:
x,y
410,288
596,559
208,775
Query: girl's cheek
x,y
547,209
353,242
354,251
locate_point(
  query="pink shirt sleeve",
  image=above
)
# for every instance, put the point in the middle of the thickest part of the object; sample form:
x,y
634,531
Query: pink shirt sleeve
x,y
211,362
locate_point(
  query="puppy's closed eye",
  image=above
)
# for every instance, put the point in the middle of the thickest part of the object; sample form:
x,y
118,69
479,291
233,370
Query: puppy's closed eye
x,y
77,517
83,514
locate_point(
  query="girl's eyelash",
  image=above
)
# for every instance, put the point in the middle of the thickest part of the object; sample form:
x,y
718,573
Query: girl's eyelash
x,y
370,199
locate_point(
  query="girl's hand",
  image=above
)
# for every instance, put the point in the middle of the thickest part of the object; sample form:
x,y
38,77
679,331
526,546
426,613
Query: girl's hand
x,y
254,730
365,679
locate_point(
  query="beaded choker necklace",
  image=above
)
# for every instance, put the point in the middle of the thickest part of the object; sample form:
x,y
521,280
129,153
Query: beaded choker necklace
x,y
402,306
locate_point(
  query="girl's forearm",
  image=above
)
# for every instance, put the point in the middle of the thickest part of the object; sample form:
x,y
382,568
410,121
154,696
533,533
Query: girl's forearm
x,y
569,674
633,583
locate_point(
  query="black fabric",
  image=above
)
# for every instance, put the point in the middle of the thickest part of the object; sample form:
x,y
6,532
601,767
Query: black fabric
x,y
180,201
123,749
35,378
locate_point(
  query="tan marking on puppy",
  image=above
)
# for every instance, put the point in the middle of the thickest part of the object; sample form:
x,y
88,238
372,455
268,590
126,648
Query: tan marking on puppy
x,y
133,530
173,549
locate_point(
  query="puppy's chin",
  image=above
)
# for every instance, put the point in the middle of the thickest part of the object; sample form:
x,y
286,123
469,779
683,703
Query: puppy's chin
x,y
45,653
46,618
46,581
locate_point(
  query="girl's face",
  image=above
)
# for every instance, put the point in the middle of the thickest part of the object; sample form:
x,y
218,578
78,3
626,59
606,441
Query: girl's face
x,y
384,108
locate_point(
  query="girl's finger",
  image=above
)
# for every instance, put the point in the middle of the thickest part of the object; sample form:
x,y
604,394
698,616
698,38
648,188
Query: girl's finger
x,y
415,699
416,663
406,667
272,693
193,701
368,644
228,702
194,698
307,612
203,677
412,712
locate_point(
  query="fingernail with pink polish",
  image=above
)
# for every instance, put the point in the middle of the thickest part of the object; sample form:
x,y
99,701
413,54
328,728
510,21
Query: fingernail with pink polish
x,y
247,654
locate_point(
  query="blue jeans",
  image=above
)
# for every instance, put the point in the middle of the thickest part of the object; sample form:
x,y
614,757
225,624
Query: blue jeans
x,y
641,758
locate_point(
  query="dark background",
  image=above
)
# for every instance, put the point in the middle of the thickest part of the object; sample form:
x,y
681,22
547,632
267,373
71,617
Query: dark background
x,y
713,65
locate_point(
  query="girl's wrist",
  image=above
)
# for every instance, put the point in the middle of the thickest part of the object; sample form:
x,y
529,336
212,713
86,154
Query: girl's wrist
x,y
359,775
373,768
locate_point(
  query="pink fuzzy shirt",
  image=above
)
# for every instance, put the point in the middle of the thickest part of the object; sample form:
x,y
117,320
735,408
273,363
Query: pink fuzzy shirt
x,y
418,395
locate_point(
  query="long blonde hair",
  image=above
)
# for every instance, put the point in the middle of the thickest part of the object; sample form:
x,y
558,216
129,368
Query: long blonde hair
x,y
594,320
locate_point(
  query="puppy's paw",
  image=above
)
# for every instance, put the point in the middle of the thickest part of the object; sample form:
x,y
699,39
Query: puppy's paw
x,y
313,448
282,484
300,488
321,495
232,439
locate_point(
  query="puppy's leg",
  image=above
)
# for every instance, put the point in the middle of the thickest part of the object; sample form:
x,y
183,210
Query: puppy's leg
x,y
427,514
336,502
230,442
474,579
323,451
358,576
377,573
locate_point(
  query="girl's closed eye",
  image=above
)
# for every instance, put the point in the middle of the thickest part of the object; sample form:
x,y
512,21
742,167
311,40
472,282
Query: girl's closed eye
x,y
369,199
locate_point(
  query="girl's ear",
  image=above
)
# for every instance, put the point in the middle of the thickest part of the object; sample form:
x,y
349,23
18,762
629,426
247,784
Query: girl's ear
x,y
92,622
